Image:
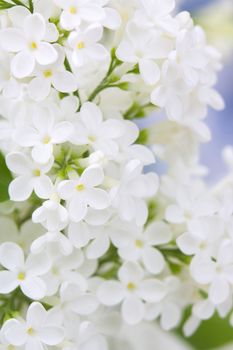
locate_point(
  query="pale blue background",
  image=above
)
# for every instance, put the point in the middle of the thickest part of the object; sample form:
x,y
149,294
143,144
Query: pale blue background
x,y
221,123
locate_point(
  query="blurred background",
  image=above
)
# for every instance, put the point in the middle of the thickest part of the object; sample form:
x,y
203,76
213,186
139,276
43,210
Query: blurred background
x,y
216,16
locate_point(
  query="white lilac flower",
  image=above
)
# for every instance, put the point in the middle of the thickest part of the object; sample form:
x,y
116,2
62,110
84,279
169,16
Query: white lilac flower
x,y
31,176
203,236
190,205
50,75
86,226
169,308
134,187
24,236
43,134
26,274
86,47
139,48
62,243
131,290
92,130
51,214
37,331
141,246
76,11
82,192
215,272
29,45
75,298
63,269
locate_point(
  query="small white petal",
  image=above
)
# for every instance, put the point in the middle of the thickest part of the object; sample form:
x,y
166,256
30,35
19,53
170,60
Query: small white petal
x,y
150,71
21,188
19,68
34,26
51,335
132,310
97,198
12,40
153,260
64,82
45,54
33,287
98,247
152,290
15,332
8,282
39,88
110,293
11,256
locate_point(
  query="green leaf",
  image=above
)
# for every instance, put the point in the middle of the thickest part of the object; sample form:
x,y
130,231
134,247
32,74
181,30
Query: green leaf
x,y
4,5
212,334
143,137
7,4
5,179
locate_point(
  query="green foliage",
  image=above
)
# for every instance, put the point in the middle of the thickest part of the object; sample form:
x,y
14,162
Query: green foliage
x,y
5,179
211,334
137,111
143,137
7,4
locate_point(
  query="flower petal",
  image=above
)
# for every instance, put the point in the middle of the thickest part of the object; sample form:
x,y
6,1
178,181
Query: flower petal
x,y
42,153
8,282
97,198
37,264
132,310
11,256
153,260
51,335
152,290
92,176
45,54
98,247
39,88
14,332
12,40
150,71
64,82
18,163
19,68
110,293
21,188
34,26
33,287
36,315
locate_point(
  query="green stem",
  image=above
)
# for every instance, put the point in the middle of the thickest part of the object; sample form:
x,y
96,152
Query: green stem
x,y
4,5
31,6
106,82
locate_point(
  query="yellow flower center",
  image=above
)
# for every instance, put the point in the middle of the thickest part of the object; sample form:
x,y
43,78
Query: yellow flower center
x,y
33,45
73,10
21,276
92,138
80,45
10,347
30,331
138,243
46,140
37,172
131,286
80,187
47,73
